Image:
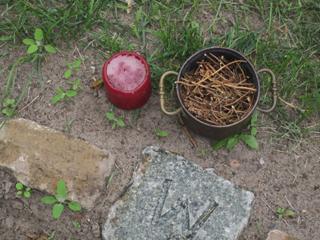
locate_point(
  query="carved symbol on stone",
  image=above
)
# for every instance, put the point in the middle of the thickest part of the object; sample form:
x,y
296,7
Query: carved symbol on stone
x,y
187,231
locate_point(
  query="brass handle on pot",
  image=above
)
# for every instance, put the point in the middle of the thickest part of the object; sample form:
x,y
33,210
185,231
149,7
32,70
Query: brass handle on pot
x,y
161,86
274,90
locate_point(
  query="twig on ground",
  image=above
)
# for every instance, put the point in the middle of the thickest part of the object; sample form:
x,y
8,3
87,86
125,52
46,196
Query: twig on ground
x,y
117,167
29,104
81,56
268,205
289,202
290,105
187,132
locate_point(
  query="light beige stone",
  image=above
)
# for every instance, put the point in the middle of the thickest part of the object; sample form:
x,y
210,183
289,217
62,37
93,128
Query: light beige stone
x,y
39,157
278,235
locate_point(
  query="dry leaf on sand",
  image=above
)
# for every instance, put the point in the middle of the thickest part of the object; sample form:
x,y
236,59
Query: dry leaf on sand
x,y
37,236
97,84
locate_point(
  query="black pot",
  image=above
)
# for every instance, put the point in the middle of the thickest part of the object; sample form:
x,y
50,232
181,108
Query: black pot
x,y
203,128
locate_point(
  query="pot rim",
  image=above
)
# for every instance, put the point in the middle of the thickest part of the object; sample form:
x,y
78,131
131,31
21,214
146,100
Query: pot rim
x,y
202,122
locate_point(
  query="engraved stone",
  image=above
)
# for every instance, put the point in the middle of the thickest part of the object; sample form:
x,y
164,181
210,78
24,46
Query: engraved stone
x,y
173,198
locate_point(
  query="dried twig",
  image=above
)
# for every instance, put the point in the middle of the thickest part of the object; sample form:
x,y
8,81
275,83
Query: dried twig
x,y
187,132
217,91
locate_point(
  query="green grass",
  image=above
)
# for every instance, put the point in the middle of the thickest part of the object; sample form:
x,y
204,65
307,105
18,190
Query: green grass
x,y
167,32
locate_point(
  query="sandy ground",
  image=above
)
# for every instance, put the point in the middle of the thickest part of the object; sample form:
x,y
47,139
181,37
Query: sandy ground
x,y
284,180
289,177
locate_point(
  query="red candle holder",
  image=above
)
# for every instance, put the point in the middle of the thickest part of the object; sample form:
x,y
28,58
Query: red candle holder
x,y
126,80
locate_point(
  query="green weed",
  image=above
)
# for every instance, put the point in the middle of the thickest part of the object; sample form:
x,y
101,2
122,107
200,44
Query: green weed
x,y
112,117
61,198
22,190
203,153
110,179
259,227
9,107
283,212
249,139
68,125
52,235
73,67
76,224
160,133
76,84
61,94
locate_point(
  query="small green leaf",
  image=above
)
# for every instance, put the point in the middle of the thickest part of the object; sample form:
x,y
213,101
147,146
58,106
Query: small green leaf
x,y
120,123
70,122
19,186
162,134
250,140
80,87
56,99
27,194
61,189
57,210
280,210
74,87
76,224
76,64
38,34
110,179
67,64
20,192
254,131
202,153
6,38
113,126
218,144
10,101
74,206
78,81
288,213
52,235
28,41
71,93
232,141
110,116
48,200
67,74
254,118
32,49
28,189
50,49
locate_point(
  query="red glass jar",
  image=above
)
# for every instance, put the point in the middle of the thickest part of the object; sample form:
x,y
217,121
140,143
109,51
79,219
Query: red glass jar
x,y
126,80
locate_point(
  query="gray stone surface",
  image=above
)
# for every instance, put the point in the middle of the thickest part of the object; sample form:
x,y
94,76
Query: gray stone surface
x,y
173,198
39,157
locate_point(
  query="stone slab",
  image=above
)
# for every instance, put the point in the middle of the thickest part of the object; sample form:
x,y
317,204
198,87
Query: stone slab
x,y
173,198
39,157
278,235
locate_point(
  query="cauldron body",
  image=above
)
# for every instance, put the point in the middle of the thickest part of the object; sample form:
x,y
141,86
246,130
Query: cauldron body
x,y
202,128
209,130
